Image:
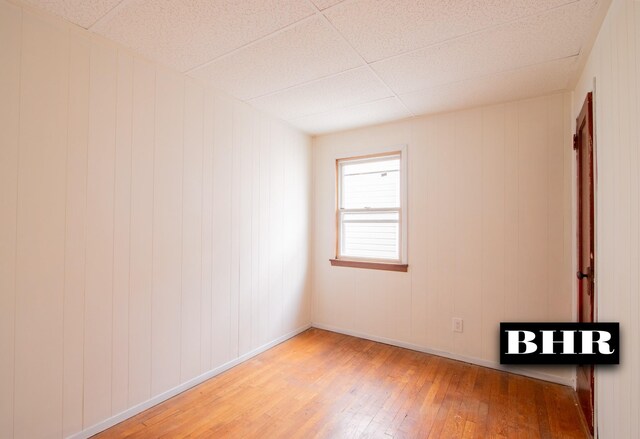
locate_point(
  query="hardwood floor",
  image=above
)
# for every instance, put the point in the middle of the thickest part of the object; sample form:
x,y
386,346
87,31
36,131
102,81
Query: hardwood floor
x,y
328,385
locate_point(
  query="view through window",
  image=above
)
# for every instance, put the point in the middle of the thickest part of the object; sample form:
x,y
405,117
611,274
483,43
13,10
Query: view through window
x,y
370,208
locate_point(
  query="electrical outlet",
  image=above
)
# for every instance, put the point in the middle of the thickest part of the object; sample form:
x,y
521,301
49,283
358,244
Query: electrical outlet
x,y
457,324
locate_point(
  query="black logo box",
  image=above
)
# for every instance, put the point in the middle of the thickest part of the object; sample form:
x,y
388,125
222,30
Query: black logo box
x,y
558,358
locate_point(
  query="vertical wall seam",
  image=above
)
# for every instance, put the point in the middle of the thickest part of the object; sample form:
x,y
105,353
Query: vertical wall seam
x,y
482,226
548,144
631,49
202,210
518,225
251,182
131,137
86,201
504,209
153,208
407,197
267,177
254,296
635,55
282,238
210,99
628,155
66,207
614,158
181,167
237,310
181,229
113,223
15,268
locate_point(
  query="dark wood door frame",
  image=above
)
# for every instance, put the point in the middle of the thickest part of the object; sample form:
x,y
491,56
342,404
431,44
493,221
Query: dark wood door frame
x,y
583,144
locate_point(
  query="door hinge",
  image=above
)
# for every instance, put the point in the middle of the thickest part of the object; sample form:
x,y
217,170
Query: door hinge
x,y
575,141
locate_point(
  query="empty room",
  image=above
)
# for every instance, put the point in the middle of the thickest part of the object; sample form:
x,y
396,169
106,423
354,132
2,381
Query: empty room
x,y
319,219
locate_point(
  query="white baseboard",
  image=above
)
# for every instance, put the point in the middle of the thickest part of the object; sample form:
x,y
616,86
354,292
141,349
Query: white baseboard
x,y
477,361
95,429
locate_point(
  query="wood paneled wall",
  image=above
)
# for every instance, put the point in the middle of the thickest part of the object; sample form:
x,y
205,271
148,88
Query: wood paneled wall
x,y
614,62
489,231
151,230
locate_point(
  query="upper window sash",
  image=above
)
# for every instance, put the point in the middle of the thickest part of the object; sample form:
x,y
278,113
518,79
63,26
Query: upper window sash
x,y
353,180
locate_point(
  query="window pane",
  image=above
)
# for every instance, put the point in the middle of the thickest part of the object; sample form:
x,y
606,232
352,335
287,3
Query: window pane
x,y
372,235
371,184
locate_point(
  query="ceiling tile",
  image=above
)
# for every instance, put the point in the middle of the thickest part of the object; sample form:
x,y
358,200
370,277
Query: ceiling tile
x,y
324,4
383,28
305,52
187,34
84,13
502,87
554,34
286,59
383,110
345,89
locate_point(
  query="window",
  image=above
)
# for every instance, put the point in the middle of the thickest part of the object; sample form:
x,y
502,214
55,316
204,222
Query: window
x,y
369,211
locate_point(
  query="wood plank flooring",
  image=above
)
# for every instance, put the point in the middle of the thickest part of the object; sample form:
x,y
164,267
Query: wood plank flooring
x,y
327,385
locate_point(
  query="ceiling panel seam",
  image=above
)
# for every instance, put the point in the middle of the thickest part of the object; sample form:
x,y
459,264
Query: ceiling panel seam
x,y
343,107
474,33
437,44
326,20
489,75
110,13
399,90
302,84
492,74
250,44
321,13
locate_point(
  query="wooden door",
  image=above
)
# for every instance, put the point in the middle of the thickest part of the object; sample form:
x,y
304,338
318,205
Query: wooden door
x,y
583,144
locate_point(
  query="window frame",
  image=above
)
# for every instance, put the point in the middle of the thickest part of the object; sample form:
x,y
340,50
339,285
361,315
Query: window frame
x,y
399,264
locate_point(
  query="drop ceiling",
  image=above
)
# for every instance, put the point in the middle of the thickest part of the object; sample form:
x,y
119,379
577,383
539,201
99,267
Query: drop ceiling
x,y
330,65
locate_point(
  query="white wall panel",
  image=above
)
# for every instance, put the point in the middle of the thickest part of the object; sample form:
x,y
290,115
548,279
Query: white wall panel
x,y
192,222
263,302
288,224
141,244
242,142
444,264
297,308
467,244
305,224
135,248
40,231
492,262
235,179
206,321
257,136
512,297
222,226
98,322
419,251
276,207
76,227
558,216
166,299
10,36
122,234
533,194
486,199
